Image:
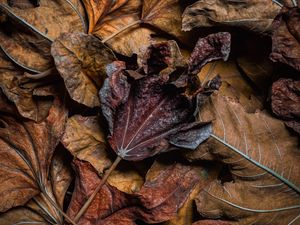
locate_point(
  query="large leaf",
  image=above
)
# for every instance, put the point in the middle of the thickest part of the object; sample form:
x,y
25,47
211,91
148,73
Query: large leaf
x,y
26,152
159,199
85,139
262,157
39,210
81,60
255,15
286,37
27,33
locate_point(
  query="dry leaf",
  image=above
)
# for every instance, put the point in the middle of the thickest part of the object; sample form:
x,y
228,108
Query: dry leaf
x,y
211,222
286,38
158,200
263,159
81,60
39,210
254,15
26,156
84,138
286,102
164,15
132,40
23,4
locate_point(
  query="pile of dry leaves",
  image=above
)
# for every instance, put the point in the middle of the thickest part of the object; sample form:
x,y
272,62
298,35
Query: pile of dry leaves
x,y
132,112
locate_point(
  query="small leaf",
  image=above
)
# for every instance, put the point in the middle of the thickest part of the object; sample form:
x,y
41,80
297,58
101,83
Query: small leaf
x,y
81,60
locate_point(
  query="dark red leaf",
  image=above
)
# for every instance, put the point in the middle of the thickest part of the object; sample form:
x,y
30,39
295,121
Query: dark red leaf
x,y
213,47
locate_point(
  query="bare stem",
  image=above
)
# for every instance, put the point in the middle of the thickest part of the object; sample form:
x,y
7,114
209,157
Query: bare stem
x,y
41,75
59,209
103,181
121,30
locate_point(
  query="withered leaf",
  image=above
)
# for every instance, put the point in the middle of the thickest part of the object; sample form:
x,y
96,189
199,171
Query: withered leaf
x,y
26,35
81,60
254,15
33,98
211,222
263,163
146,115
213,47
23,3
84,138
286,102
158,200
120,15
26,156
39,210
164,15
286,37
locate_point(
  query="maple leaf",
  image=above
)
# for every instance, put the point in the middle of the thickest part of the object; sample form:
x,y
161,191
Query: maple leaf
x,y
163,193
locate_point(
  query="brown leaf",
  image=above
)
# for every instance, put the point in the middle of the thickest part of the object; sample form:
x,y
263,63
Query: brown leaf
x,y
81,60
29,32
255,15
286,102
286,38
164,15
33,98
262,157
85,139
148,115
211,222
39,210
158,200
24,3
26,152
134,39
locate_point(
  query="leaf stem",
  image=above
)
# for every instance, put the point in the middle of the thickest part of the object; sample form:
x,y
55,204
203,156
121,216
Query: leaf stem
x,y
58,208
40,75
103,181
121,30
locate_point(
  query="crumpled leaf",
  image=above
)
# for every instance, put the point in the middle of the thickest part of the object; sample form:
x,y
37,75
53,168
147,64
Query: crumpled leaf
x,y
26,156
164,15
81,60
84,138
39,210
120,15
286,37
27,34
159,199
149,114
286,102
254,15
33,98
262,158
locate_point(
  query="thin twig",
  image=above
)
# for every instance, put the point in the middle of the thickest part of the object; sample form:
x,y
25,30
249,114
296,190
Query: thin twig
x,y
40,75
93,195
121,30
58,208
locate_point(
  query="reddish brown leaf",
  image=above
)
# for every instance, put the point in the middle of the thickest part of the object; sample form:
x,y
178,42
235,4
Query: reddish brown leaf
x,y
211,222
286,37
145,115
286,102
158,200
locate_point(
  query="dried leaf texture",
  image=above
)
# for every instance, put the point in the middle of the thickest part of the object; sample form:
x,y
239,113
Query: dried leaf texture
x,y
254,15
85,139
263,163
27,33
81,60
286,38
33,98
26,161
132,40
158,200
286,102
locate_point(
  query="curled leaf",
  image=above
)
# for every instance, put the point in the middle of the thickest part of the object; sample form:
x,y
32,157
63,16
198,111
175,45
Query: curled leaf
x,y
254,15
286,38
81,60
